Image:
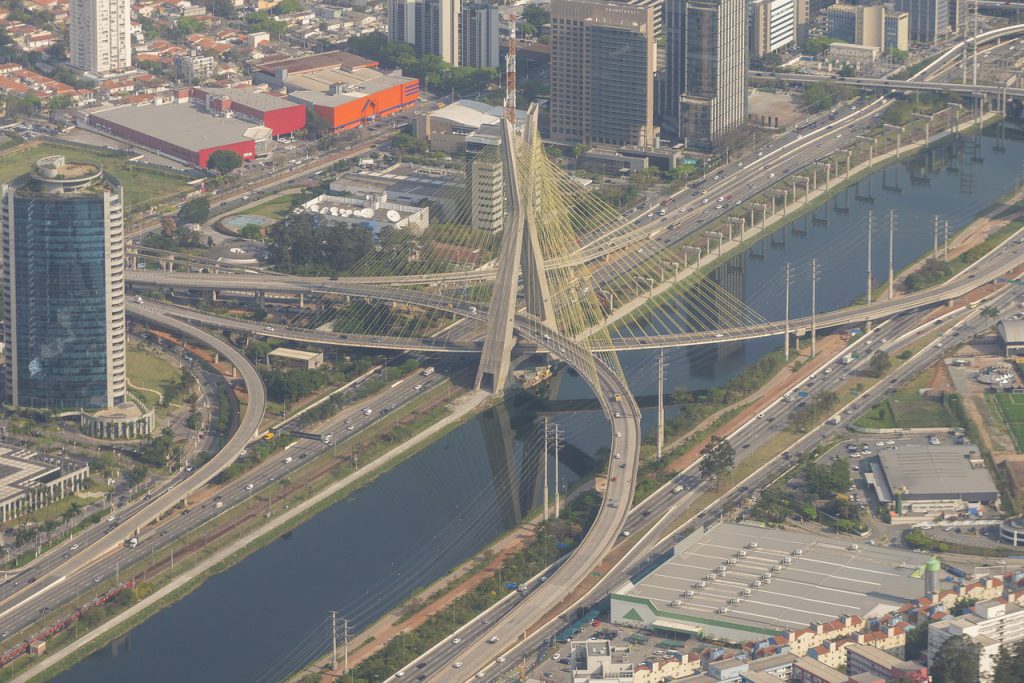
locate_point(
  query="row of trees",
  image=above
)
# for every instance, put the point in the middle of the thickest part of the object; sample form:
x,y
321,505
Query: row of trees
x,y
433,72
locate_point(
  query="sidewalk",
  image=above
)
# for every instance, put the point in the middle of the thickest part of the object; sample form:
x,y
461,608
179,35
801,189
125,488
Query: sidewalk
x,y
465,405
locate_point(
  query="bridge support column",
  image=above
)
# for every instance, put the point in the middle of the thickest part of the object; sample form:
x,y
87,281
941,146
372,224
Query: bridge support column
x,y
302,299
213,295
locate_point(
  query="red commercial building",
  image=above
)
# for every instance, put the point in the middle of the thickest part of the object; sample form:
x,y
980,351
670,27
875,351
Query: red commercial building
x,y
182,132
276,113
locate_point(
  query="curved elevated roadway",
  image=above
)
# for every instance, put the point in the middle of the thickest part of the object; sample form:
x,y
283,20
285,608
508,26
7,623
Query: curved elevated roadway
x,y
96,544
988,268
624,417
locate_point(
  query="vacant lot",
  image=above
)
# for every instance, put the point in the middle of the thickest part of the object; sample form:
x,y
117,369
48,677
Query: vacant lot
x,y
1011,408
912,406
143,187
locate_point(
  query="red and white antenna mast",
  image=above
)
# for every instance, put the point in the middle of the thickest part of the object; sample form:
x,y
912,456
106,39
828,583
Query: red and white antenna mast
x,y
510,71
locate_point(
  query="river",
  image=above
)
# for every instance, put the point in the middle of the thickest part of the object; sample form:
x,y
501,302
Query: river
x,y
363,556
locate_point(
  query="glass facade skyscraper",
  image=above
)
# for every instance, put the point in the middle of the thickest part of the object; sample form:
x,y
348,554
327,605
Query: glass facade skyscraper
x,y
63,282
705,78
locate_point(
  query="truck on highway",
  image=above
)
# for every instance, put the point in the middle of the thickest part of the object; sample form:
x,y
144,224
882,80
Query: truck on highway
x,y
847,359
427,372
834,420
132,542
678,488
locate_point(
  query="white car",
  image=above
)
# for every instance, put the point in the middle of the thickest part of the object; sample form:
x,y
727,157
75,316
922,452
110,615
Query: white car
x,y
618,435
457,665
456,641
418,387
500,659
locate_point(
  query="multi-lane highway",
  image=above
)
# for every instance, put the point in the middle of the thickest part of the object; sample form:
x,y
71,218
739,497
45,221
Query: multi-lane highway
x,y
78,576
655,521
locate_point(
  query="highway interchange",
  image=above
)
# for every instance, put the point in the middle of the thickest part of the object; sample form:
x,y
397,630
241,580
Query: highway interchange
x,y
101,558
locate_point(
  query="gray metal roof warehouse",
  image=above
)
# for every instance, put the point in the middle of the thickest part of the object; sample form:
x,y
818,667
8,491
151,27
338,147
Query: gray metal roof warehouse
x,y
181,125
793,579
938,473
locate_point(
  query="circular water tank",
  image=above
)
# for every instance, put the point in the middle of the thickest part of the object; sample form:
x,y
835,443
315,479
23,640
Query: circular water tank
x,y
393,216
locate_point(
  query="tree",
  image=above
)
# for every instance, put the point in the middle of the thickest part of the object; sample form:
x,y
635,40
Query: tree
x,y
536,15
135,475
956,661
224,161
847,71
1009,664
195,210
879,364
990,312
717,458
287,7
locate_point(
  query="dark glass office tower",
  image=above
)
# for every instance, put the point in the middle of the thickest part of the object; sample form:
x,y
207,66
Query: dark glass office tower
x,y
63,281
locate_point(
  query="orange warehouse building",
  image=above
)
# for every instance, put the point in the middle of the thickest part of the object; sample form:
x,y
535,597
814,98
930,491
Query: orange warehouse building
x,y
348,106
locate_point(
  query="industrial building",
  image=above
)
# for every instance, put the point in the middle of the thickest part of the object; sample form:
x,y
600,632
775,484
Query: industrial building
x,y
1011,334
29,480
921,482
372,211
602,73
63,286
704,94
344,89
738,582
447,128
280,115
990,624
296,359
182,131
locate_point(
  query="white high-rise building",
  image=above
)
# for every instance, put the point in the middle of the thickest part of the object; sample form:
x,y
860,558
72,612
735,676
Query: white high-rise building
x,y
101,40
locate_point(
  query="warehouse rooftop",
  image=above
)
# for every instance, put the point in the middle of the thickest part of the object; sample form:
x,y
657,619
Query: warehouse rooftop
x,y
181,125
793,578
938,472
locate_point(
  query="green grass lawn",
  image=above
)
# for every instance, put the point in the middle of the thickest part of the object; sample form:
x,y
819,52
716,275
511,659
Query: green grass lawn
x,y
150,373
879,417
276,208
1011,408
143,186
908,408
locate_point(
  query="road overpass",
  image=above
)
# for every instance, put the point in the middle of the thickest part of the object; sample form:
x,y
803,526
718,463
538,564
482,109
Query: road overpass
x,y
890,84
988,268
162,503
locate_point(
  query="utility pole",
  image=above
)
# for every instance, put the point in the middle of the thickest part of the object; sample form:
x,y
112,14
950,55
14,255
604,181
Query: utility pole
x,y
558,495
345,622
661,401
546,494
945,240
334,640
814,301
935,236
871,219
787,312
892,229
